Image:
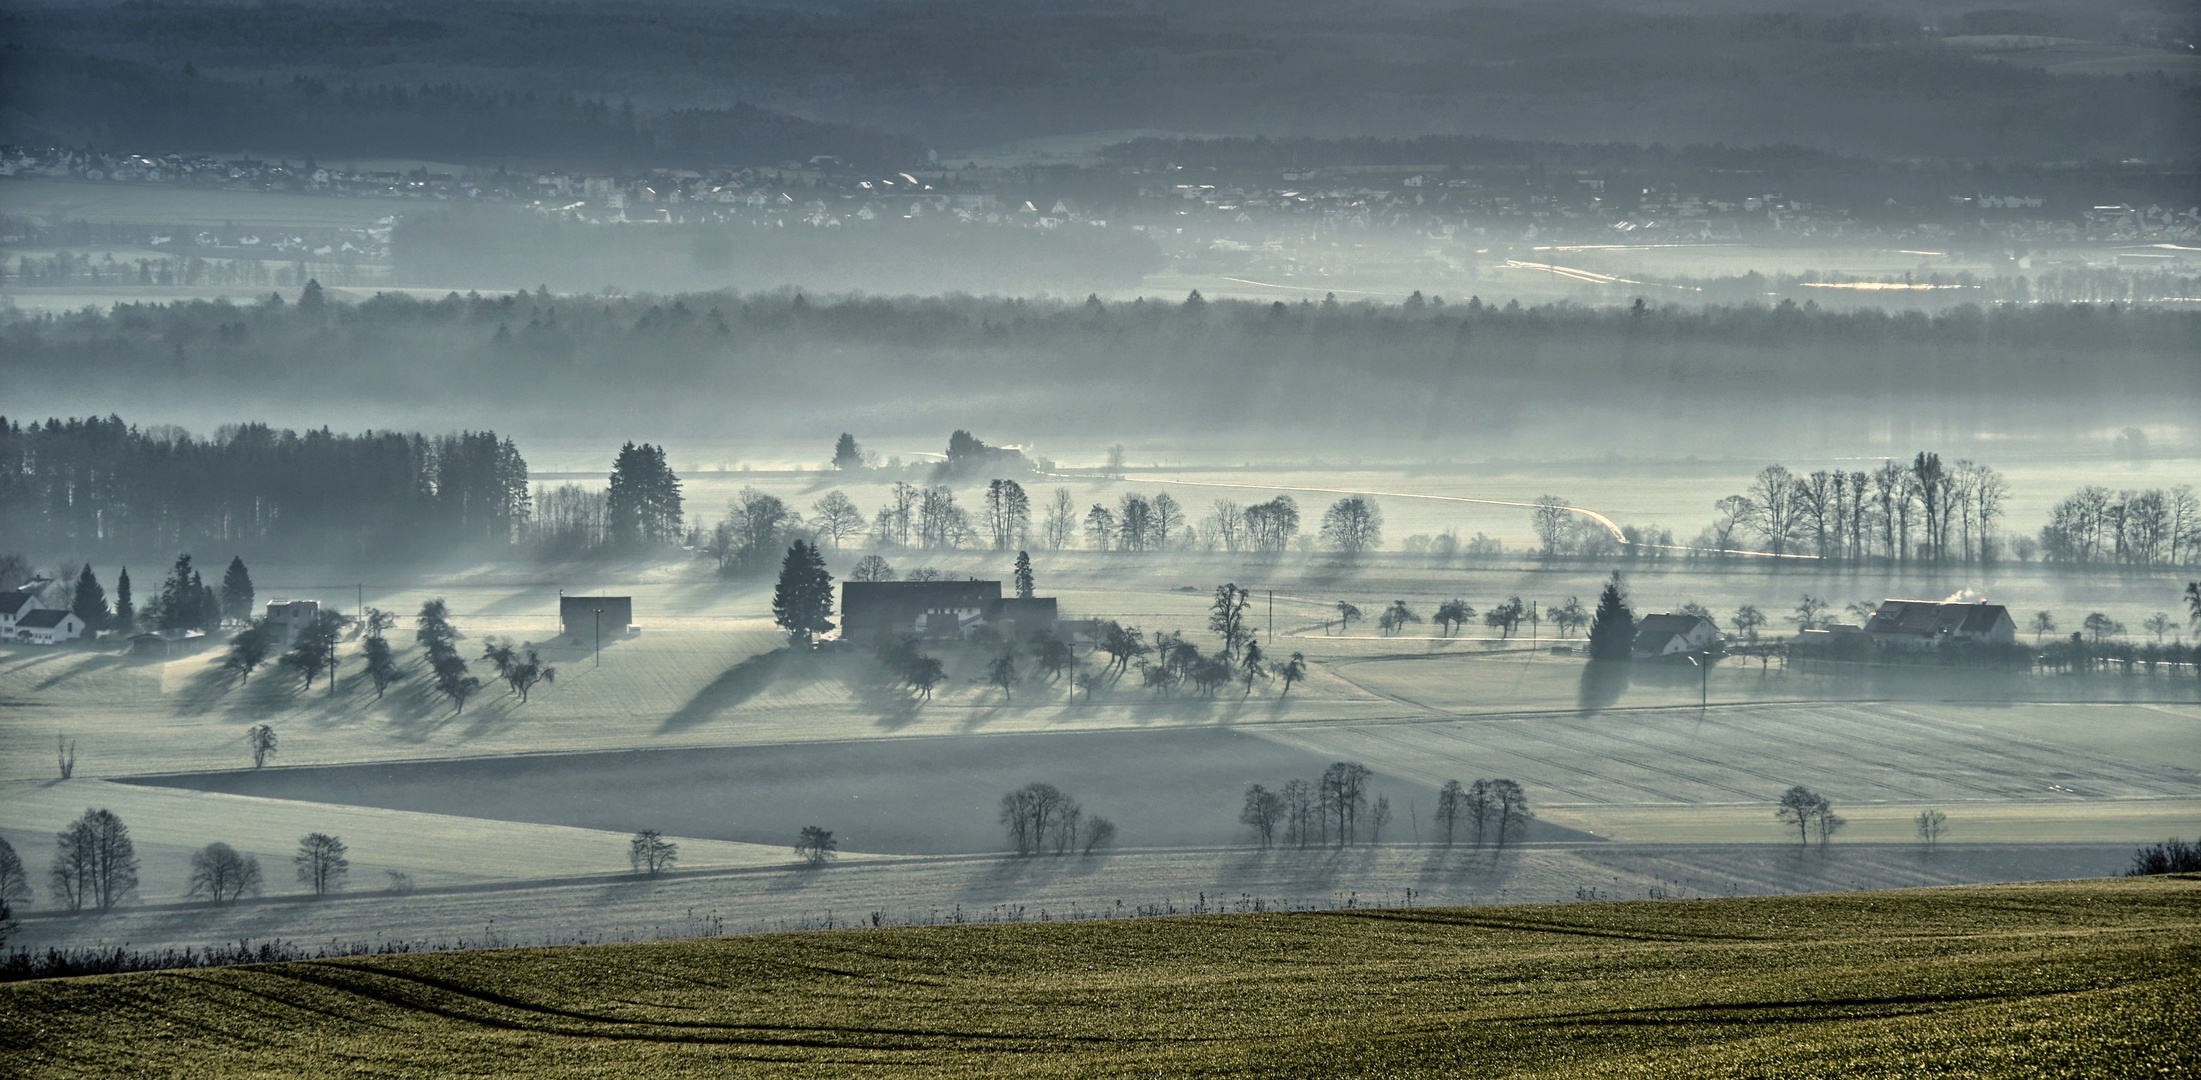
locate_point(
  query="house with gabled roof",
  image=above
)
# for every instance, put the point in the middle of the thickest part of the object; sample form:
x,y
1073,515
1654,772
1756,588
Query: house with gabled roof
x,y
14,604
1919,625
1673,634
48,626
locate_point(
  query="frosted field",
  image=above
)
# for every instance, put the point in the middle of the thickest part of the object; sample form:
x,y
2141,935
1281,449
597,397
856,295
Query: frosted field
x,y
985,888
2040,776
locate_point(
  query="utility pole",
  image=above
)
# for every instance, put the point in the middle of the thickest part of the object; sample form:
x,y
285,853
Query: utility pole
x,y
598,622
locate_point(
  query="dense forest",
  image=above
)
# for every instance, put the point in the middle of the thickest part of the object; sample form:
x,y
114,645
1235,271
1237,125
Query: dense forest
x,y
100,485
971,74
1668,381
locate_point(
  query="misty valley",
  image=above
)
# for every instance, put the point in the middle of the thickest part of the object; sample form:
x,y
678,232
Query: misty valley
x,y
981,539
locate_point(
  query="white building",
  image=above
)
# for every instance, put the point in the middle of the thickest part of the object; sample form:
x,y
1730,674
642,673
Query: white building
x,y
47,626
1673,635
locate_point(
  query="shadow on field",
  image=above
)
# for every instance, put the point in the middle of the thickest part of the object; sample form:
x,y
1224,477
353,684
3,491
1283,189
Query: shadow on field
x,y
1603,681
735,685
84,665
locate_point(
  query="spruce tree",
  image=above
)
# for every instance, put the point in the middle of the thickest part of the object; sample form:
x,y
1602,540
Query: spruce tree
x,y
1612,629
802,602
125,613
1024,584
846,454
90,602
237,591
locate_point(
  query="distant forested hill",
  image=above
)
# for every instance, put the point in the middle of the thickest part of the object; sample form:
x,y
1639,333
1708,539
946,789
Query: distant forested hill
x,y
970,73
75,99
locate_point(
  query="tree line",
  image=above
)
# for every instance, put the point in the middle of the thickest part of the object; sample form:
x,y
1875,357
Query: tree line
x,y
1417,365
99,484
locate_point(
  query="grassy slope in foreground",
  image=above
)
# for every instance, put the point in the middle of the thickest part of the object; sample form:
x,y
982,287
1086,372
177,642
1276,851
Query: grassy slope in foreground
x,y
2076,978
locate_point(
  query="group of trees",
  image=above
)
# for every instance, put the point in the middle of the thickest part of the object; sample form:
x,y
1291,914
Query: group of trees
x,y
1334,808
1812,816
1925,511
1040,820
1482,808
99,484
2151,527
642,505
95,867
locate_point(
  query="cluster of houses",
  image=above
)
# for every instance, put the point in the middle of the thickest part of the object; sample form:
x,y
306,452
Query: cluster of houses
x,y
1903,626
27,620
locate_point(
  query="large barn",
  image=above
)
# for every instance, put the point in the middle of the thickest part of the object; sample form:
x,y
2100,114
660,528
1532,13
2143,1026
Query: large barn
x,y
872,611
584,618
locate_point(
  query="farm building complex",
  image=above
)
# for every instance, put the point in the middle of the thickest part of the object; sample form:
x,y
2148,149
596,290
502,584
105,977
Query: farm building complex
x,y
872,611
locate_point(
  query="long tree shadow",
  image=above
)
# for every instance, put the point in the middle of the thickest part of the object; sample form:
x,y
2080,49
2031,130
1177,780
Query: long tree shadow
x,y
1603,681
734,686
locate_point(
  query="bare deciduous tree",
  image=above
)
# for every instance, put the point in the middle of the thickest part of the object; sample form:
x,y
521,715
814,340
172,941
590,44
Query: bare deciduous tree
x,y
222,875
95,864
1263,812
816,846
836,517
1931,825
1800,806
321,863
261,738
650,853
1344,793
1512,810
1352,525
1451,803
1059,529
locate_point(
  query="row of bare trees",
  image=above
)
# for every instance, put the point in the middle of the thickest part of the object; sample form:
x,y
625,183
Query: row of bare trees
x,y
1926,511
2151,527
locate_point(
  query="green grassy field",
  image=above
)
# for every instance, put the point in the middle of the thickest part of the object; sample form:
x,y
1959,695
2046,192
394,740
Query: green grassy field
x,y
2093,978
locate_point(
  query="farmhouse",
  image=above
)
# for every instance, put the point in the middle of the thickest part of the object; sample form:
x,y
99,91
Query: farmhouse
x,y
14,604
47,626
874,610
1916,625
584,618
1673,635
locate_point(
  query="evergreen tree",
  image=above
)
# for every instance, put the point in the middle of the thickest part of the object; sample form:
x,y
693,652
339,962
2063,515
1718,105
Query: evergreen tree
x,y
90,602
125,614
186,603
846,454
1024,584
643,507
803,600
1612,629
237,592
310,299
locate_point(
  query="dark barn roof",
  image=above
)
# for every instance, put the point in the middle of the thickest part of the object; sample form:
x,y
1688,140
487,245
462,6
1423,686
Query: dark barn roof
x,y
1929,618
43,618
